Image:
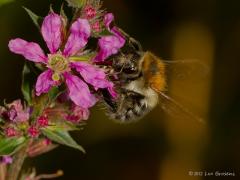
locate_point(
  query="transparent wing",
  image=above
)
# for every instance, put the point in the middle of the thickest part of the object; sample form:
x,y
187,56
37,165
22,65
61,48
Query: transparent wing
x,y
187,69
176,110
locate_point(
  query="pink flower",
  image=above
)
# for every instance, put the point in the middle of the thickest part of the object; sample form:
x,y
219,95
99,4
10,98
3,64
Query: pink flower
x,y
96,26
33,132
77,114
10,132
12,113
6,160
47,141
16,113
109,45
59,63
42,121
89,12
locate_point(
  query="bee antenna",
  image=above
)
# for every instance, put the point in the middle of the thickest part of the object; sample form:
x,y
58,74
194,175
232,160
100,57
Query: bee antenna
x,y
133,42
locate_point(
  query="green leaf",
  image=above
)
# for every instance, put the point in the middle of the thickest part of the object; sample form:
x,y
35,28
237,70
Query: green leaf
x,y
76,3
61,137
8,146
105,32
39,103
53,94
63,125
26,86
29,76
63,14
1,119
35,18
85,57
64,21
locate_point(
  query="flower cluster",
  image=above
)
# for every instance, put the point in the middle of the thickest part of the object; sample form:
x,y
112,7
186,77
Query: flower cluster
x,y
68,84
15,119
64,65
61,64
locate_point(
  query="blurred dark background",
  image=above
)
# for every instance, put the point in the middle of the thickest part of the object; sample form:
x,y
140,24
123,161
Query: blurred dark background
x,y
158,147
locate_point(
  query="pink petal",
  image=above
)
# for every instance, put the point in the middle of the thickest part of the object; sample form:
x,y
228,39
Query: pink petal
x,y
85,114
52,31
17,104
29,50
80,31
112,90
22,116
92,75
77,114
108,19
109,45
16,112
7,160
82,113
44,82
79,92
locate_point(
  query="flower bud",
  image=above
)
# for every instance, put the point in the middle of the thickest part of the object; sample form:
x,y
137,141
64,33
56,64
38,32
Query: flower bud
x,y
6,160
12,113
10,132
96,26
42,121
89,12
33,132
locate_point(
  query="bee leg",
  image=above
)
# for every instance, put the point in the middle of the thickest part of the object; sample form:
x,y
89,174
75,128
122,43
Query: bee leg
x,y
109,101
131,106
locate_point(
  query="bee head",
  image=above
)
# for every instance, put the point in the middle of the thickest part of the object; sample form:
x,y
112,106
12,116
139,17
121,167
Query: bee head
x,y
127,63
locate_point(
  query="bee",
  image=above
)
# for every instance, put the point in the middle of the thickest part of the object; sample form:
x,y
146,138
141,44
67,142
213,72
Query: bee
x,y
141,83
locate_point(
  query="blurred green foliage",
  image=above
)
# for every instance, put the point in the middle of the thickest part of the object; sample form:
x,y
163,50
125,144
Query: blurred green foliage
x,y
2,2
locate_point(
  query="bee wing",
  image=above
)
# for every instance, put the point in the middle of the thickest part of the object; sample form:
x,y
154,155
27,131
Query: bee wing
x,y
176,110
184,69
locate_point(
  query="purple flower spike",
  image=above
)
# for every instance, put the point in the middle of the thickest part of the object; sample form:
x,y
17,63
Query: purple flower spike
x,y
109,45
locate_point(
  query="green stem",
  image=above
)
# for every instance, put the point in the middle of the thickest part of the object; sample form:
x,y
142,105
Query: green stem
x,y
3,169
18,160
80,58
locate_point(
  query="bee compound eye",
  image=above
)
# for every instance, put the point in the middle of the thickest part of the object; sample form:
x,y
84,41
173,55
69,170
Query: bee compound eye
x,y
130,70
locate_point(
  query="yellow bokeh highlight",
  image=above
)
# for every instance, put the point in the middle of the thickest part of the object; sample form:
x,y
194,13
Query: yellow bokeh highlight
x,y
189,138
